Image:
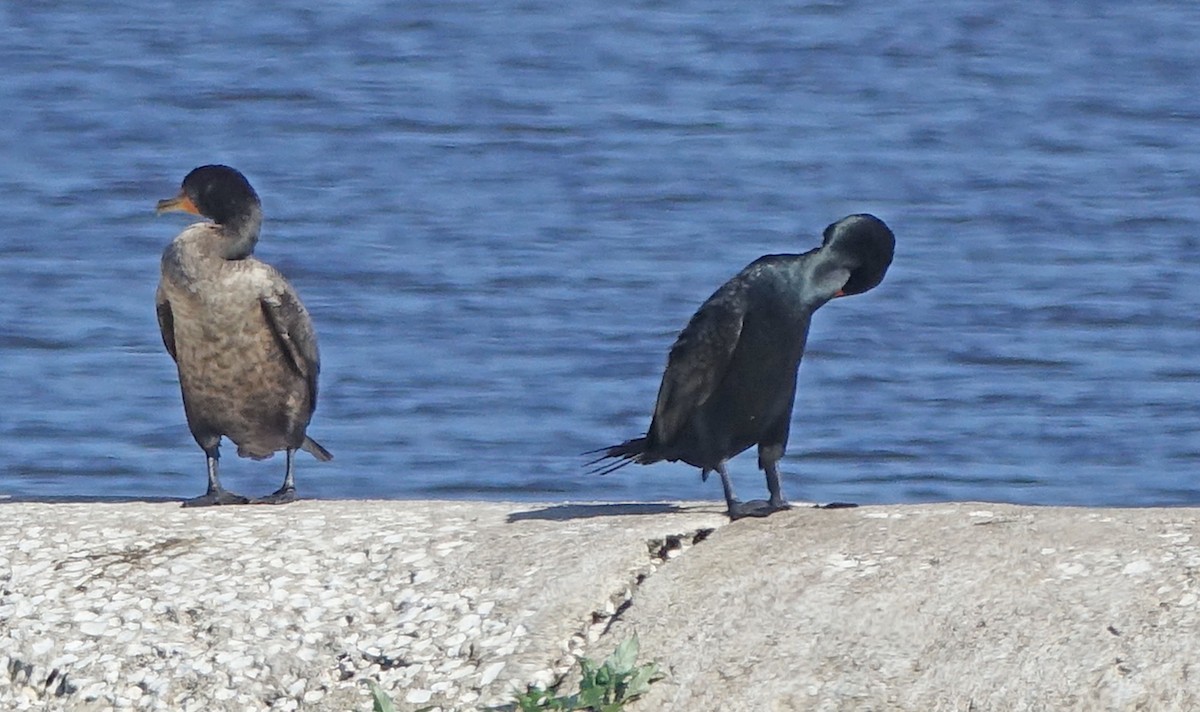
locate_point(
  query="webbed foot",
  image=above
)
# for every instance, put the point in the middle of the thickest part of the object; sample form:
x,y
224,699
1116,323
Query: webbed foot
x,y
283,495
215,498
755,508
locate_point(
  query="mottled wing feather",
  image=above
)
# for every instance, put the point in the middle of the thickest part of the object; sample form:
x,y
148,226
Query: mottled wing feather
x,y
698,360
166,322
293,329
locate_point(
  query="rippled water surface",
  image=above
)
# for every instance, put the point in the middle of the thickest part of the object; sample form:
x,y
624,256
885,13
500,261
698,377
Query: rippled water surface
x,y
500,214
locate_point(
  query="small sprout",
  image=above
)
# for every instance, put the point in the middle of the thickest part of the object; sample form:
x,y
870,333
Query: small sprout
x,y
602,688
624,657
383,703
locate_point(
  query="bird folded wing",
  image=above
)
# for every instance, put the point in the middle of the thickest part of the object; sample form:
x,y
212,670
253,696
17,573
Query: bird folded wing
x,y
697,363
293,330
166,321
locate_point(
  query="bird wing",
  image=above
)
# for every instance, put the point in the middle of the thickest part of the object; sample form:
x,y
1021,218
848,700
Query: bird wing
x,y
166,321
293,330
699,359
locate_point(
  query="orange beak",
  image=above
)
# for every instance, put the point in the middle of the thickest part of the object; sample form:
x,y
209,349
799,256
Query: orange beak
x,y
180,202
840,293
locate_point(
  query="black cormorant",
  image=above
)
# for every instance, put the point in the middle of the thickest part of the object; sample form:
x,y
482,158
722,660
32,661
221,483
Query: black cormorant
x,y
731,376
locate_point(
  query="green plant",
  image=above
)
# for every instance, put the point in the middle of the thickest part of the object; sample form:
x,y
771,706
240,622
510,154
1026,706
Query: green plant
x,y
383,703
602,688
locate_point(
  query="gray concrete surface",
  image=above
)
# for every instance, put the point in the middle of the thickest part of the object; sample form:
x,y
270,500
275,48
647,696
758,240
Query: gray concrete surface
x,y
149,606
455,604
941,607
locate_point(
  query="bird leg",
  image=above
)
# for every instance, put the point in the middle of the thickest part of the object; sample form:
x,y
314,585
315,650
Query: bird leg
x,y
768,459
777,502
216,494
731,500
735,508
287,491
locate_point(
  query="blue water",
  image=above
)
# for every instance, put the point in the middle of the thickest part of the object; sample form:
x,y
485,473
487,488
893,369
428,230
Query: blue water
x,y
500,213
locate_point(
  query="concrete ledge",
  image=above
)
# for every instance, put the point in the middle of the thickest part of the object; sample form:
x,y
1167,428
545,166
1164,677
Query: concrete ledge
x,y
929,607
150,606
946,607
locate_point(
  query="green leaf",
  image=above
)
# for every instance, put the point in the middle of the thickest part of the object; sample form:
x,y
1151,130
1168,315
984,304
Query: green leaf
x,y
639,682
624,657
535,699
587,669
602,688
588,698
383,703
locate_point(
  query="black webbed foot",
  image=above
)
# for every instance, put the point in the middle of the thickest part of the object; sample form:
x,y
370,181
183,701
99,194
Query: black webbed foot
x,y
215,498
283,495
755,508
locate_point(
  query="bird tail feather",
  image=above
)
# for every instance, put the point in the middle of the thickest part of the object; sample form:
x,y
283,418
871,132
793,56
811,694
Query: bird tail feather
x,y
314,448
628,452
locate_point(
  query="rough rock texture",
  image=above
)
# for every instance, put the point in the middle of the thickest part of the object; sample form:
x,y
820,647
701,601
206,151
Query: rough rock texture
x,y
149,606
452,605
940,607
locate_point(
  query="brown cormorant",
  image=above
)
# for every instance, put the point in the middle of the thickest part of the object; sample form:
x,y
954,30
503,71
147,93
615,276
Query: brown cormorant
x,y
243,343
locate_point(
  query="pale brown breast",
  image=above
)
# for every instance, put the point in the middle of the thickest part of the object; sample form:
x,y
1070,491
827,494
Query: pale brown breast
x,y
235,377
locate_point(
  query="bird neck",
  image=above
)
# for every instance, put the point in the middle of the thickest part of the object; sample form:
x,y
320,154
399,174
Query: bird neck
x,y
822,272
241,234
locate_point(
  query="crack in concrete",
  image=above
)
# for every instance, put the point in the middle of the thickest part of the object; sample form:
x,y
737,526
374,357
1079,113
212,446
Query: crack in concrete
x,y
660,551
104,560
57,684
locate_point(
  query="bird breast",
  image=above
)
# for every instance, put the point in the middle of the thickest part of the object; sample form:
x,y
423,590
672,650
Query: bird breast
x,y
221,335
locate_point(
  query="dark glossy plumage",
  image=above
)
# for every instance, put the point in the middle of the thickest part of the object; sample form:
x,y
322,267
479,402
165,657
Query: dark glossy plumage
x,y
241,339
730,379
